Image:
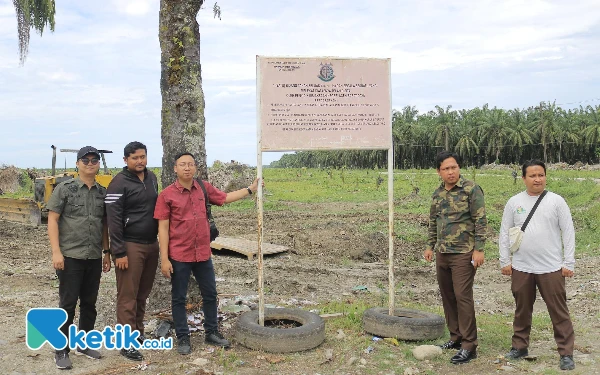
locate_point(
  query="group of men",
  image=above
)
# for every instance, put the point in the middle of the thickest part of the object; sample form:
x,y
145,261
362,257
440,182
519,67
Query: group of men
x,y
91,227
132,225
544,258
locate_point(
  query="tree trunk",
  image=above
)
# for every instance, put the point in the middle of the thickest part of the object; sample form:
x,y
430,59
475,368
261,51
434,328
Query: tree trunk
x,y
182,116
447,143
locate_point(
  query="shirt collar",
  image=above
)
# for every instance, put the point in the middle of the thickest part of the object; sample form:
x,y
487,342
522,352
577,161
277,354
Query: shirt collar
x,y
459,183
181,188
80,183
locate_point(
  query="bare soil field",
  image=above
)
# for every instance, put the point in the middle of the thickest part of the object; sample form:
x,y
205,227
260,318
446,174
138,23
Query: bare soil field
x,y
329,257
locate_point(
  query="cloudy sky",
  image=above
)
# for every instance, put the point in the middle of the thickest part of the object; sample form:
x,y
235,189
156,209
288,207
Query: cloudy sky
x,y
95,80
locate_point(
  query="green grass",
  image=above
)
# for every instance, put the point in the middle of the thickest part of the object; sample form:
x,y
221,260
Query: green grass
x,y
285,186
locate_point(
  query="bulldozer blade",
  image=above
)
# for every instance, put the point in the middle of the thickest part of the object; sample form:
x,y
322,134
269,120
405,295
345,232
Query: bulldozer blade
x,y
24,211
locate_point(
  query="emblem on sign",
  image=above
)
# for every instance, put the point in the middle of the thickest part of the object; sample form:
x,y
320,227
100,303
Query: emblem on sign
x,y
326,73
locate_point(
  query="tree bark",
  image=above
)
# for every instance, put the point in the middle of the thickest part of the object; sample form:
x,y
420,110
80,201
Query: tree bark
x,y
182,116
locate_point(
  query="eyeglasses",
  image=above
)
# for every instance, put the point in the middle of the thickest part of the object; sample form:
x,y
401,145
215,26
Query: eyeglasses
x,y
87,161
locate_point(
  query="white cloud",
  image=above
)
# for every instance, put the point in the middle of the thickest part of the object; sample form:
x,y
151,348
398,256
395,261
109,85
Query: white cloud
x,y
134,7
60,76
96,79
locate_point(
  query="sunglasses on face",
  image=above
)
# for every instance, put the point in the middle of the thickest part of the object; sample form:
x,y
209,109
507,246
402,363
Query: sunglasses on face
x,y
86,161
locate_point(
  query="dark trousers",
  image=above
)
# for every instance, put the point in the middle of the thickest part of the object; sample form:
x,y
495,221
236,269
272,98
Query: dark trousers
x,y
552,289
135,283
455,275
80,280
205,276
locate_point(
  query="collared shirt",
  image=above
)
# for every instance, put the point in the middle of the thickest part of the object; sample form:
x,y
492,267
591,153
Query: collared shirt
x,y
457,222
81,212
189,231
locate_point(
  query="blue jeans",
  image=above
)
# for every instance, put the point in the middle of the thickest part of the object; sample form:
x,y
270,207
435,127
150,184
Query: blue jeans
x,y
205,276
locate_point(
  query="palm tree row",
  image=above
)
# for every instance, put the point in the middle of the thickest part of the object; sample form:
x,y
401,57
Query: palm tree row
x,y
479,135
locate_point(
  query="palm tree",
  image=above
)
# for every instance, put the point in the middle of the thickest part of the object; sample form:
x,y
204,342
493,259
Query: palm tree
x,y
183,123
520,134
446,120
565,132
591,133
32,14
467,146
494,131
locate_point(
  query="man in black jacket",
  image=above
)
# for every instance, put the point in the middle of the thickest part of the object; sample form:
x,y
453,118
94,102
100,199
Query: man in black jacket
x,y
130,200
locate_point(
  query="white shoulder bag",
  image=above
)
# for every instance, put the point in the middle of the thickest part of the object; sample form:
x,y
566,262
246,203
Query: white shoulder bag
x,y
515,234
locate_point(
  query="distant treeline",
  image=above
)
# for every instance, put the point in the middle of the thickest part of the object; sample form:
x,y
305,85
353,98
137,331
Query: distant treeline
x,y
479,135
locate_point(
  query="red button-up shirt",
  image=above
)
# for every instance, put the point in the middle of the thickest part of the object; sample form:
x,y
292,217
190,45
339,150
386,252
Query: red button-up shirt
x,y
189,231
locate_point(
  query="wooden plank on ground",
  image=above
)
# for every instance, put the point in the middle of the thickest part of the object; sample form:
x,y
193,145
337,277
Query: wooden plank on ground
x,y
246,247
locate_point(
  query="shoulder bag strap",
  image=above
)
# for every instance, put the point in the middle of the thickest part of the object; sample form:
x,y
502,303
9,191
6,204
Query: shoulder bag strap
x,y
537,203
208,210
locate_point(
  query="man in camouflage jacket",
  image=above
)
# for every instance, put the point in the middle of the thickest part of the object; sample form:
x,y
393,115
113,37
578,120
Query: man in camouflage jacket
x,y
457,227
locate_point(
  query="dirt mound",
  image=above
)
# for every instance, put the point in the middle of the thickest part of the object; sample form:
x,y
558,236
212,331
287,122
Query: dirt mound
x,y
9,179
231,176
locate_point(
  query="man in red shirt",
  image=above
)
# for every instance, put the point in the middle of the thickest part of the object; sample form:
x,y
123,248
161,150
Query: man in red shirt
x,y
184,239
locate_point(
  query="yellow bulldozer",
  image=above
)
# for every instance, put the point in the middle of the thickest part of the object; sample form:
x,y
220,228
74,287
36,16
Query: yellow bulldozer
x,y
31,211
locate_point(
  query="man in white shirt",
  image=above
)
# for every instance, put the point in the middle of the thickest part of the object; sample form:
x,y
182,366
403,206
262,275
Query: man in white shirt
x,y
544,259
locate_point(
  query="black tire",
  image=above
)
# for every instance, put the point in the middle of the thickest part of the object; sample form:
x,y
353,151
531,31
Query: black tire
x,y
410,325
252,335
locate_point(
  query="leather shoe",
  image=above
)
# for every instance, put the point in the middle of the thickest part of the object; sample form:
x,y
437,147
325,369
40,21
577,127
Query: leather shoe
x,y
450,345
464,356
516,353
132,353
566,362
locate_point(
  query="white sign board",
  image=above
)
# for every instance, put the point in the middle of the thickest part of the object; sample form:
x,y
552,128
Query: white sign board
x,y
323,103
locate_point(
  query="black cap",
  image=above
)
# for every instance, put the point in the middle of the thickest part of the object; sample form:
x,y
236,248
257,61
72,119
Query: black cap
x,y
87,150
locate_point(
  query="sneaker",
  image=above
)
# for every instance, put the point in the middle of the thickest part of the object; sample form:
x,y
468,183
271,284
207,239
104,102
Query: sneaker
x,y
217,339
90,353
141,339
566,362
62,360
516,353
132,353
184,347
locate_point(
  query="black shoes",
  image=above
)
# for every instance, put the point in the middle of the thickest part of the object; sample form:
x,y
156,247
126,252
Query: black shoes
x,y
132,353
566,362
215,338
516,353
184,347
464,356
450,345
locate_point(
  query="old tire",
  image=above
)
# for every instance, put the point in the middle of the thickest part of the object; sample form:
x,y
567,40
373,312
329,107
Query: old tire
x,y
410,325
309,335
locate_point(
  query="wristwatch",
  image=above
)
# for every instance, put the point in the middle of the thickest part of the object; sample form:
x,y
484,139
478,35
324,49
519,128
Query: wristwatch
x,y
249,191
106,251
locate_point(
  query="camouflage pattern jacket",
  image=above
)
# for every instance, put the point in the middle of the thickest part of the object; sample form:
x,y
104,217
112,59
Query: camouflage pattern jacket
x,y
457,222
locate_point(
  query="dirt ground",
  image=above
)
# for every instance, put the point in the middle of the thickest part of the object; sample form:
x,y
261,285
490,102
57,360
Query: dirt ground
x,y
328,257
